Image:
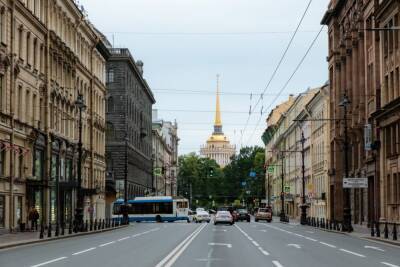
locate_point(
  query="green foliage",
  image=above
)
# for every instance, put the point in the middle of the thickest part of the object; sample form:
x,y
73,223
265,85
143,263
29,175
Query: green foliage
x,y
206,182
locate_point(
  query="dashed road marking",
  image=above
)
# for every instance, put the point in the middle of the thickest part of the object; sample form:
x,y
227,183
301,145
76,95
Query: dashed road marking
x,y
48,262
310,232
83,251
106,244
311,239
124,238
255,243
220,244
328,245
294,245
374,248
353,253
263,251
277,263
389,264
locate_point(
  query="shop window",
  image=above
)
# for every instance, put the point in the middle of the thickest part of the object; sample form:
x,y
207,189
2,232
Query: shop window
x,y
68,170
54,162
2,162
38,165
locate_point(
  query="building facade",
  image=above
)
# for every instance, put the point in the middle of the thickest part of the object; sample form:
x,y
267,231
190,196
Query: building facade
x,y
49,54
129,126
218,146
364,65
288,123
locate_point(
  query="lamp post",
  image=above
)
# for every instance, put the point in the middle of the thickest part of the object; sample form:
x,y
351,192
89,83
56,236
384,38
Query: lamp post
x,y
346,191
78,220
303,218
282,215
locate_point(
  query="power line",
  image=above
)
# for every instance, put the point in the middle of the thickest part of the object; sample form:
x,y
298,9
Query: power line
x,y
278,66
290,78
208,33
181,91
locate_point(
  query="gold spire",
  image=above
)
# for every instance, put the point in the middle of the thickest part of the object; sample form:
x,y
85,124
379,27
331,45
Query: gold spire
x,y
217,109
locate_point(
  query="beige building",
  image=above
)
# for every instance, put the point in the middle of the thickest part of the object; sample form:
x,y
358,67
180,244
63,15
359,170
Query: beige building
x,y
297,117
218,146
49,53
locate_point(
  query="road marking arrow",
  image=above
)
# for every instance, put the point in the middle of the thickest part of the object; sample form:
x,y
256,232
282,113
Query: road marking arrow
x,y
294,245
220,244
375,248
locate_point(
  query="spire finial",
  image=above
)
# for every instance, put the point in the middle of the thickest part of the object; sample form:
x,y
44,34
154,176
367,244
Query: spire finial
x,y
218,122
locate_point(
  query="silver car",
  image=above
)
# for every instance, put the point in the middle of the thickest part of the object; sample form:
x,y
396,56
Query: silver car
x,y
223,217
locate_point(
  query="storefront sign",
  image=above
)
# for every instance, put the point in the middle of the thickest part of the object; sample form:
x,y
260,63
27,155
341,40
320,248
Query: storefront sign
x,y
355,182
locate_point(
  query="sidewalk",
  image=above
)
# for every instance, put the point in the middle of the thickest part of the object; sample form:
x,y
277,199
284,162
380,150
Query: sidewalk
x,y
359,231
9,240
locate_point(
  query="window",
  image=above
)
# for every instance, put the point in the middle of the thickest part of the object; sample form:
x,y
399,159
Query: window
x,y
2,210
2,93
54,163
28,48
110,104
20,42
110,76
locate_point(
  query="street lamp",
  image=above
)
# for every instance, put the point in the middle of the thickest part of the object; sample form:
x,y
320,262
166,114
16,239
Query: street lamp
x,y
282,215
303,218
346,191
78,220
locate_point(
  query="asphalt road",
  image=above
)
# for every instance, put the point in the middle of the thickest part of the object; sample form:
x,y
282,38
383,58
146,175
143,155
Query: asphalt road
x,y
206,245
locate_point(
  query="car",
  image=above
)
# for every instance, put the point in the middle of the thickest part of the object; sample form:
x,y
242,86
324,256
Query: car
x,y
202,216
223,217
263,214
199,209
243,215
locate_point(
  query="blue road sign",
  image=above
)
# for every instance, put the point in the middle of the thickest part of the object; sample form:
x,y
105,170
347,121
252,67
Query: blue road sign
x,y
252,174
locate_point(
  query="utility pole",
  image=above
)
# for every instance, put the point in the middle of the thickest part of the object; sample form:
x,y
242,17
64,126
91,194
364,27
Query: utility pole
x,y
282,215
78,221
303,218
346,191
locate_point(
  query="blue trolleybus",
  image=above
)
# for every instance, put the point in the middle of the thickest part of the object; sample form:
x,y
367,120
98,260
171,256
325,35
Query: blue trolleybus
x,y
156,208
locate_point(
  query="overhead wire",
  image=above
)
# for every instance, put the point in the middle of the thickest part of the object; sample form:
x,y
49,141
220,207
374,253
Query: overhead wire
x,y
278,65
288,81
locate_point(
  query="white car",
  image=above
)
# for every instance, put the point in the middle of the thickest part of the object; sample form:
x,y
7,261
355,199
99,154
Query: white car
x,y
202,216
200,209
223,217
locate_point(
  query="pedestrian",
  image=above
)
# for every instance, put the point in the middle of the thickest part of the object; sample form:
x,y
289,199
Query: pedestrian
x,y
34,217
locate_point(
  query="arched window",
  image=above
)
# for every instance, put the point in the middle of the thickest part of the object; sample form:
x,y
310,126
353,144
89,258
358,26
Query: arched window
x,y
110,104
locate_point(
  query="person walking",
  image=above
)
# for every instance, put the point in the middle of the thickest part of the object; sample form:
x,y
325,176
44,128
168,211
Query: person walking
x,y
35,219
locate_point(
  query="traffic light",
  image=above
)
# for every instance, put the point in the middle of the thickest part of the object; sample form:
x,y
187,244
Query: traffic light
x,y
211,172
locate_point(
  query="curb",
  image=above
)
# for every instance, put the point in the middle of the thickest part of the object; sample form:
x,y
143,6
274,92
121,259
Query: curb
x,y
17,244
379,240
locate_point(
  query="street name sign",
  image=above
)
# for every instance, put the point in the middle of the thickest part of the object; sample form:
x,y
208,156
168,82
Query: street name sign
x,y
355,182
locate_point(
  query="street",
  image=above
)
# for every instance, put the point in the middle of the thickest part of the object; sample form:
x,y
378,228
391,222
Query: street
x,y
183,244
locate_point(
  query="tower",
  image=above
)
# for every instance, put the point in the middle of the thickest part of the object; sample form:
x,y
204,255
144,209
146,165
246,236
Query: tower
x,y
218,146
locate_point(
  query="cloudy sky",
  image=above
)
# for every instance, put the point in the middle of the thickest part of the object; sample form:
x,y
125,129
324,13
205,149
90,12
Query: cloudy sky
x,y
184,44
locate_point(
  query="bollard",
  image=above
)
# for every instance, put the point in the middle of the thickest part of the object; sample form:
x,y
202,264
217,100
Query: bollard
x,y
86,225
377,229
57,233
91,225
394,232
41,236
327,224
102,225
49,231
317,222
372,229
386,231
95,224
63,228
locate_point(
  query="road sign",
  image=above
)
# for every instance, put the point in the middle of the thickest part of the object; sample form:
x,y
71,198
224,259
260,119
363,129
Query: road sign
x,y
157,171
252,174
243,183
287,189
355,182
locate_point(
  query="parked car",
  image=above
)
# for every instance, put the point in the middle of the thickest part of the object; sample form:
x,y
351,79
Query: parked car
x,y
243,215
263,214
223,217
202,216
200,209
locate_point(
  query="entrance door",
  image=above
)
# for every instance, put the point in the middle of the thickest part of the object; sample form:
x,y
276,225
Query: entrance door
x,y
332,201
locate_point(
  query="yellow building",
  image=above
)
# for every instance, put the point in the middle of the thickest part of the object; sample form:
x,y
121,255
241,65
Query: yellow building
x,y
218,146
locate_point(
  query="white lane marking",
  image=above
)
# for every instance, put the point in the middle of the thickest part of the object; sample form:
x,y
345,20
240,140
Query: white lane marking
x,y
220,244
83,251
249,238
47,262
263,230
353,253
294,245
177,251
310,232
124,238
255,244
389,264
219,230
106,244
328,245
375,248
263,251
311,239
299,235
277,264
